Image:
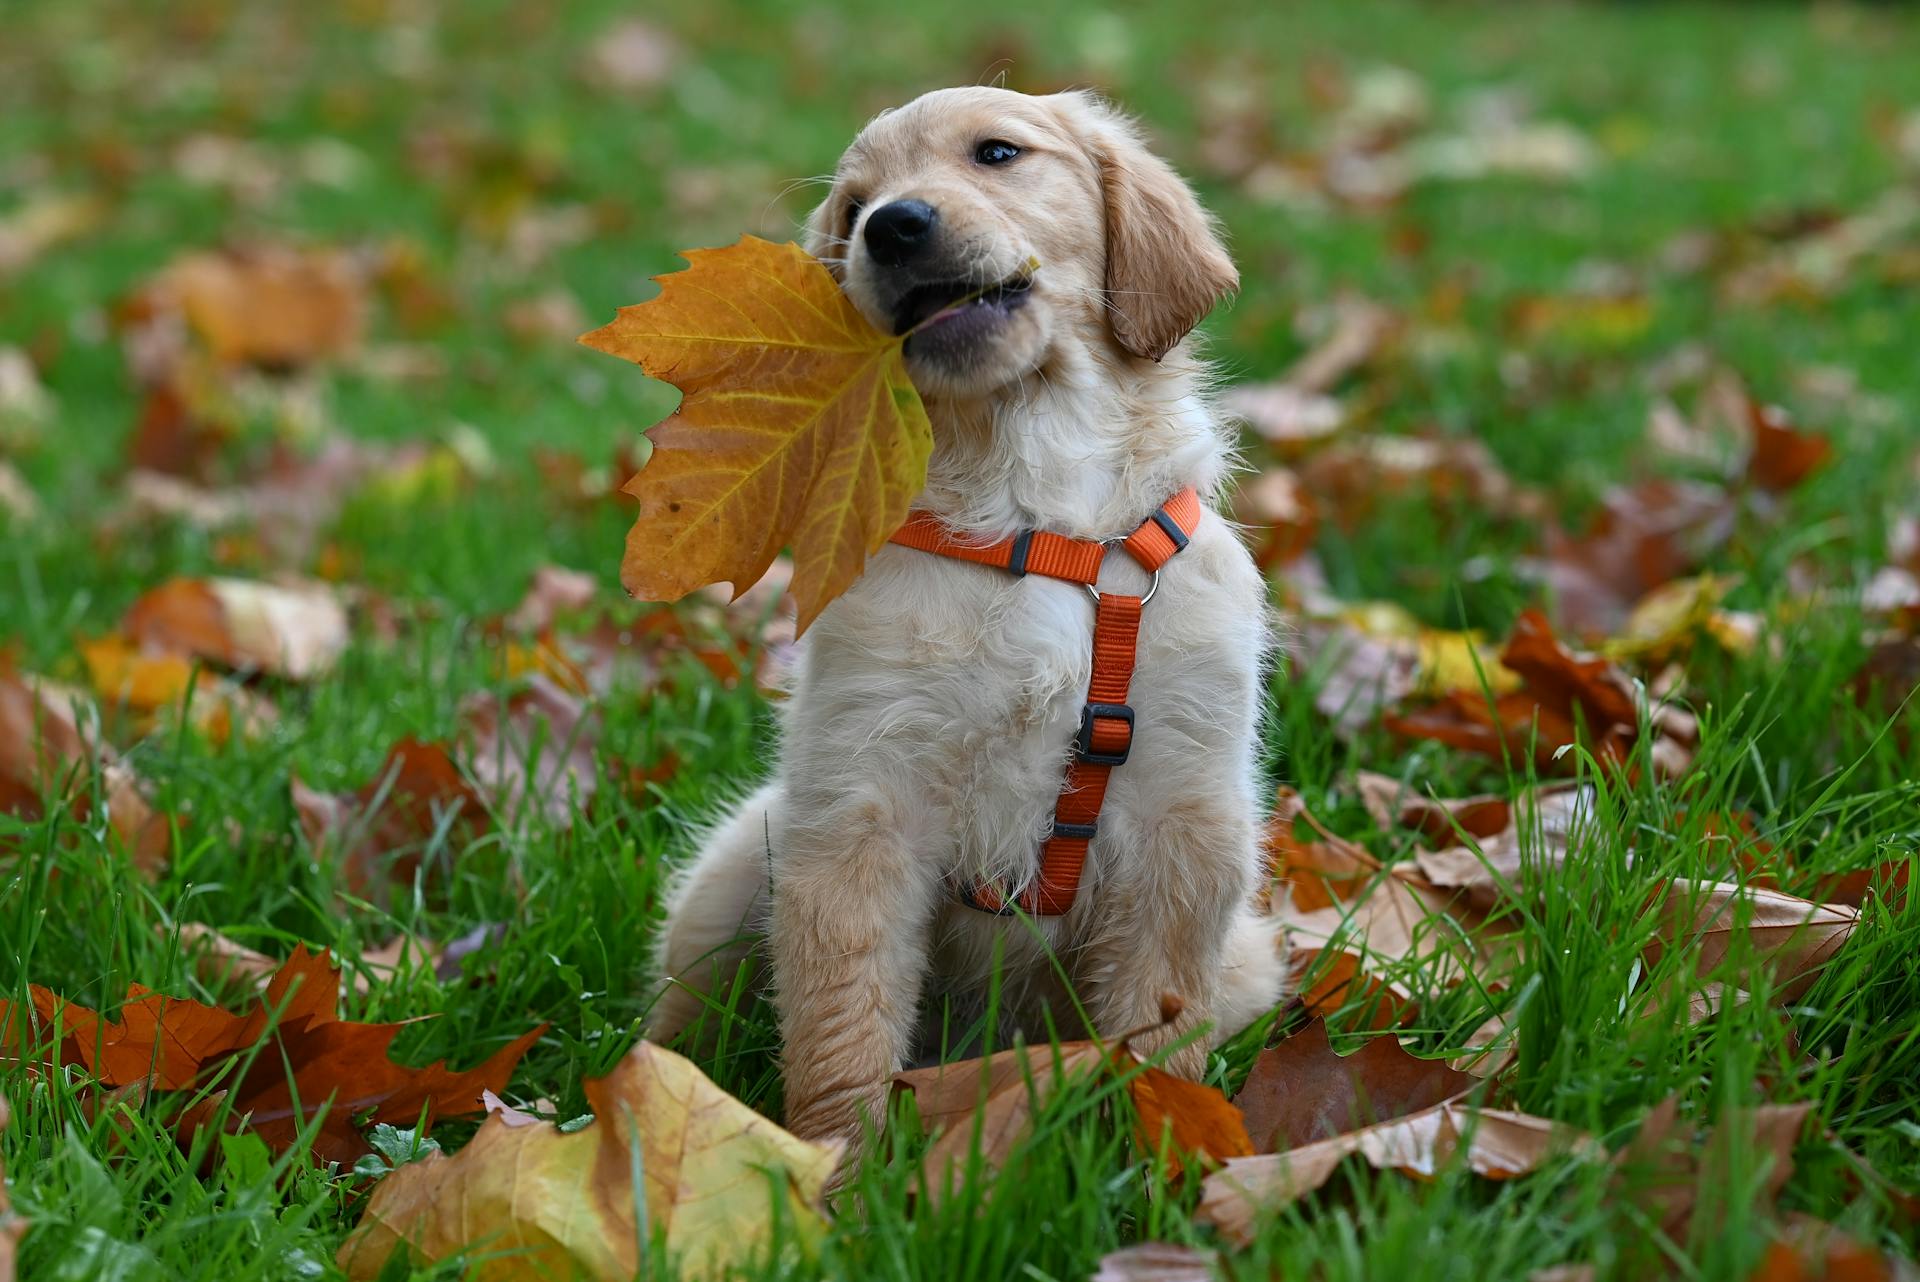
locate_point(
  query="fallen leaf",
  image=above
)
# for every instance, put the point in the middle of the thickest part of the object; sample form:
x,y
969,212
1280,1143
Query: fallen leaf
x,y
296,631
987,1105
17,499
555,590
533,753
1320,871
1811,1250
1540,828
1560,689
1156,1262
631,56
1790,937
1666,1168
1301,1091
1278,516
715,1178
1783,456
41,224
799,427
317,1059
378,829
269,305
143,683
1492,1143
1642,538
51,746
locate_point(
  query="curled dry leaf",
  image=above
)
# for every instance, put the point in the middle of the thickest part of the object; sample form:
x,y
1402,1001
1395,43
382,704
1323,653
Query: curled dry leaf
x,y
1493,1143
296,630
1560,690
987,1105
1641,539
1790,937
799,427
1667,1168
1156,1262
1301,1091
1278,515
1536,830
715,1179
531,754
993,1099
555,590
534,752
50,745
16,496
146,684
269,305
316,1059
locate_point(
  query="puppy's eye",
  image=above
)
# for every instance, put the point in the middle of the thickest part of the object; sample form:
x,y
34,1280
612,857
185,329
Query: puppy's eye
x,y
854,206
995,152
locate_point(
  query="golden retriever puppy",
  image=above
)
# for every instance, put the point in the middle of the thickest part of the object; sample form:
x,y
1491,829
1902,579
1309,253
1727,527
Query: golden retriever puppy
x,y
937,706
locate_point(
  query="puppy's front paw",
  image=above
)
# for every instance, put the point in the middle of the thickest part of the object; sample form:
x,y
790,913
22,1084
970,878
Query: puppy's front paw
x,y
840,1111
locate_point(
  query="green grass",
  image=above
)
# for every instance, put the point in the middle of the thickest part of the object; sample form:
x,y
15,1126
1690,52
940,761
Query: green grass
x,y
1707,118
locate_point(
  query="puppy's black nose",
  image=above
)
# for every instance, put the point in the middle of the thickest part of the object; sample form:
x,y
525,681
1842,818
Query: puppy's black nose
x,y
900,232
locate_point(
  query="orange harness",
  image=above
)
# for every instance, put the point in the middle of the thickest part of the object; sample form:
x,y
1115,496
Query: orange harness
x,y
1106,722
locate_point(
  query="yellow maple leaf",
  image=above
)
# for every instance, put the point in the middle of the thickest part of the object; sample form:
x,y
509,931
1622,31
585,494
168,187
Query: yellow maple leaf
x,y
799,427
534,1202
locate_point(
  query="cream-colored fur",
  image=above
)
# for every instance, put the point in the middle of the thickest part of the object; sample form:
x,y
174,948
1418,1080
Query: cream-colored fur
x,y
933,704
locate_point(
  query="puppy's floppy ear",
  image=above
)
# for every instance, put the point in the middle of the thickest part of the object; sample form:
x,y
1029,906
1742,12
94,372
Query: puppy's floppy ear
x,y
1166,265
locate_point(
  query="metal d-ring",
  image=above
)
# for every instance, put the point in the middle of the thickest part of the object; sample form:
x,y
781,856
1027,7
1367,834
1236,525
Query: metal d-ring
x,y
1153,586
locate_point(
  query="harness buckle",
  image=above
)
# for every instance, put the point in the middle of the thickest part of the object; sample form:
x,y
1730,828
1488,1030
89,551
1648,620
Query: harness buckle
x,y
1083,741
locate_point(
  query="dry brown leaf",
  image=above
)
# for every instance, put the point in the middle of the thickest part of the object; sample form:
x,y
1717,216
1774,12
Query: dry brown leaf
x,y
175,1044
1643,538
535,753
378,829
1156,1262
1540,829
1288,416
1493,1143
987,1105
1560,688
1349,479
269,305
1301,1091
799,427
632,56
1790,937
531,754
17,499
1320,870
715,1178
296,631
1811,1250
555,590
1278,516
1666,1167
50,745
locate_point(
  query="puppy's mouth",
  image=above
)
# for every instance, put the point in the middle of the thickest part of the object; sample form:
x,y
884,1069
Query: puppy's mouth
x,y
925,308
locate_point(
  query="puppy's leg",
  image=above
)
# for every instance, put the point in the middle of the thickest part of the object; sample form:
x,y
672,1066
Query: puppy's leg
x,y
1171,922
1253,974
852,907
716,910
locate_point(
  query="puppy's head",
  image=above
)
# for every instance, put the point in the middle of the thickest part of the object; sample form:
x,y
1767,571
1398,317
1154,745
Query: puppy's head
x,y
940,207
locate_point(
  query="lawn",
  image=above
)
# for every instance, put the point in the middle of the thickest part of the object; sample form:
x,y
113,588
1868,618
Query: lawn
x,y
1579,244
